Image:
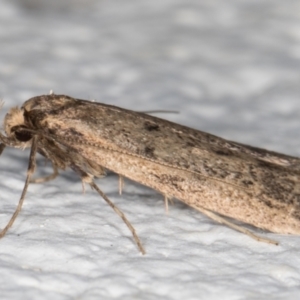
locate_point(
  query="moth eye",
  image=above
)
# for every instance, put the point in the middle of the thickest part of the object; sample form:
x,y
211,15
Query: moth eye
x,y
21,134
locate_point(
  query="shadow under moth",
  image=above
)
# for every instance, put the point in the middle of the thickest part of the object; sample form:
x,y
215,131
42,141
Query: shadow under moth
x,y
217,177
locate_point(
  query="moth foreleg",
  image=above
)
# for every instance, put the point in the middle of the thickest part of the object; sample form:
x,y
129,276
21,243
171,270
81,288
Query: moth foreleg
x,y
30,171
2,146
46,178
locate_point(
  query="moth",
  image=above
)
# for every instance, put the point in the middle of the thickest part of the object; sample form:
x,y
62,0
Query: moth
x,y
217,177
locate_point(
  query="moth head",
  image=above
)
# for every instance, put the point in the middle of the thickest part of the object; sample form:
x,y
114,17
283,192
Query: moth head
x,y
14,125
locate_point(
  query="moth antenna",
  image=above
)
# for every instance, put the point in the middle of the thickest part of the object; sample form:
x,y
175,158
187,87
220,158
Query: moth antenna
x,y
121,215
241,229
30,171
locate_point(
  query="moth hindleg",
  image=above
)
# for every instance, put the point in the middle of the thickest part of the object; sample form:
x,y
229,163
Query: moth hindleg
x,y
236,227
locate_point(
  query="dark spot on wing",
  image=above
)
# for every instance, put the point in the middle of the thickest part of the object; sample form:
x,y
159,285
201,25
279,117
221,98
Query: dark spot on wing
x,y
247,182
223,152
149,151
52,131
151,126
296,200
74,132
69,132
174,181
190,141
190,144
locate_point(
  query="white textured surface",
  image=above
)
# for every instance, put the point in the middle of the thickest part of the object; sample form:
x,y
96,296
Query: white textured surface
x,y
229,67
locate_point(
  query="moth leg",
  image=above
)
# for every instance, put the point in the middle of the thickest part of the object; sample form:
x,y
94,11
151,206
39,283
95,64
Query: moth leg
x,y
121,215
166,200
2,146
46,178
83,186
241,229
30,171
121,184
88,179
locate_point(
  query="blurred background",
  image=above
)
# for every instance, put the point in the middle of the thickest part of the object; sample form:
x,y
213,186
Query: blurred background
x,y
231,68
228,67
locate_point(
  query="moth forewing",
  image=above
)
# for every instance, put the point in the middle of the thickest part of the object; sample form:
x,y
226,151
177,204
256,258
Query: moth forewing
x,y
217,177
200,169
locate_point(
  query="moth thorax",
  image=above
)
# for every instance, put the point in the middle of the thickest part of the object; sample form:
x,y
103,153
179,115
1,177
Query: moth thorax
x,y
15,117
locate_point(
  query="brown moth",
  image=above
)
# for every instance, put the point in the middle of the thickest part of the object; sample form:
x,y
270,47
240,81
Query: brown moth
x,y
219,178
